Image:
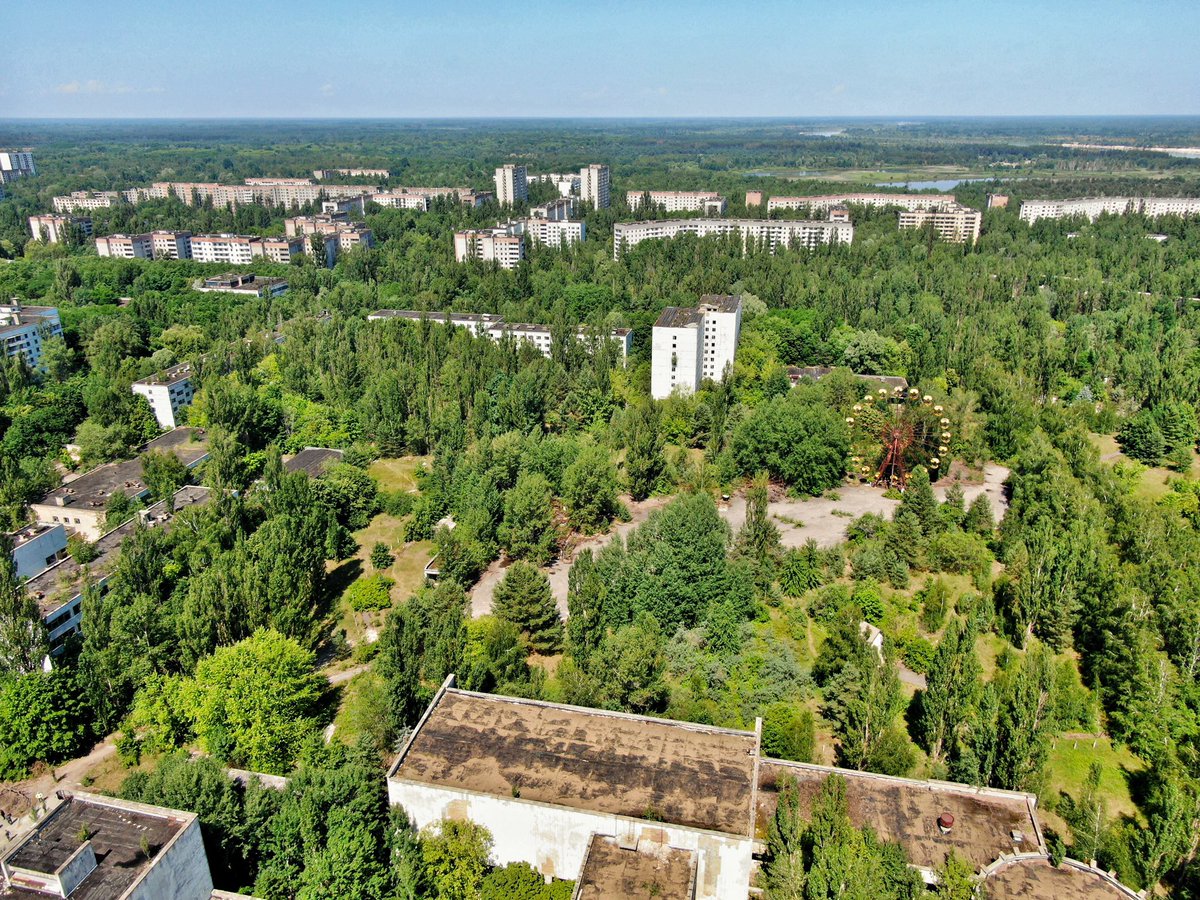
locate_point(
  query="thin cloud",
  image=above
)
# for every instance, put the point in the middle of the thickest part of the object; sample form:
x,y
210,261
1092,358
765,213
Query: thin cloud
x,y
92,86
327,90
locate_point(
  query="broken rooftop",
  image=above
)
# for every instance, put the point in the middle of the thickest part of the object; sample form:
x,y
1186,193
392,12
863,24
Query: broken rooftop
x,y
614,872
125,839
679,773
986,822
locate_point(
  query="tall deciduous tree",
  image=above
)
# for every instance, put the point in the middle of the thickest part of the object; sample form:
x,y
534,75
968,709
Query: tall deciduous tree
x,y
22,635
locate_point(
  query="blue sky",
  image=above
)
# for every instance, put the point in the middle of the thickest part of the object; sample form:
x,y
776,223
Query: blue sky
x,y
651,58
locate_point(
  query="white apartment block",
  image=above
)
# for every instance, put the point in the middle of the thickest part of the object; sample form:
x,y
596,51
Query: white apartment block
x,y
499,245
594,185
224,248
953,224
771,233
154,245
494,327
240,249
1094,207
16,164
169,393
24,330
422,198
512,185
680,201
54,228
84,200
551,232
322,174
692,344
556,210
125,246
171,244
877,200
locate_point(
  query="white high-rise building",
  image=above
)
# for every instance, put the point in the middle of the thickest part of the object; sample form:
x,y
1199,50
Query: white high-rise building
x,y
499,245
15,164
692,344
511,184
594,184
770,233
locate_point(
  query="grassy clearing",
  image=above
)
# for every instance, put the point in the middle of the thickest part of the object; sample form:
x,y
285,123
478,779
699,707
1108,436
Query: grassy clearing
x,y
407,571
1070,759
360,704
1155,481
988,647
107,776
399,473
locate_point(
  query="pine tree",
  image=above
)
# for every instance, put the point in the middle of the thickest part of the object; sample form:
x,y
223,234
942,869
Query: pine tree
x,y
919,500
523,597
759,537
979,518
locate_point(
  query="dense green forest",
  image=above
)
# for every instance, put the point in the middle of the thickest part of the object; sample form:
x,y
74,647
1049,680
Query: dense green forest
x,y
1068,352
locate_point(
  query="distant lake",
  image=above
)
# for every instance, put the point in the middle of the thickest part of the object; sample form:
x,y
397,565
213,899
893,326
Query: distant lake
x,y
780,174
945,184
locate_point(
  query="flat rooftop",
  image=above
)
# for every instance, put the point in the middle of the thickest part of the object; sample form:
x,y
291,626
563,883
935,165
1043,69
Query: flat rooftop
x,y
721,302
906,811
173,375
312,461
64,580
1036,879
118,831
682,773
679,317
93,489
611,872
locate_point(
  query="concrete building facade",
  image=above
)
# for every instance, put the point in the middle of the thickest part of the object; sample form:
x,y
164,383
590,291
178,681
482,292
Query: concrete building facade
x,y
512,185
771,233
169,393
595,185
37,547
90,846
689,345
559,210
53,229
494,327
551,232
550,796
1094,207
877,200
125,246
499,245
706,202
16,164
24,330
953,224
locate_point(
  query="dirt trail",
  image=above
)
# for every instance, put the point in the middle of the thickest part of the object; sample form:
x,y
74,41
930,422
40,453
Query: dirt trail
x,y
481,594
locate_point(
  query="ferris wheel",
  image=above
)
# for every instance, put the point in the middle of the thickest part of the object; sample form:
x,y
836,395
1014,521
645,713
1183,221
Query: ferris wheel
x,y
892,432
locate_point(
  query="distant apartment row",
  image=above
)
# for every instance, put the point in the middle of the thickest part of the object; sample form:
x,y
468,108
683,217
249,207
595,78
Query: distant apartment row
x,y
494,327
548,224
287,192
769,233
951,221
1094,207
